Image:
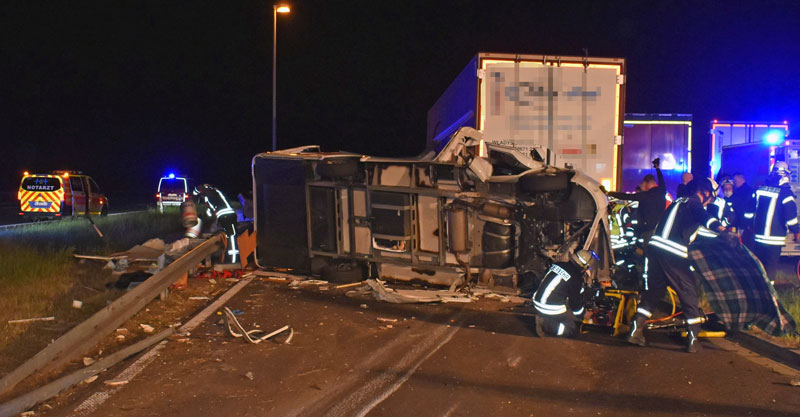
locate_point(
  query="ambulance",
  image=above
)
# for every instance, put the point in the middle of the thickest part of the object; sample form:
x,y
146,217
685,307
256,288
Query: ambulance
x,y
59,194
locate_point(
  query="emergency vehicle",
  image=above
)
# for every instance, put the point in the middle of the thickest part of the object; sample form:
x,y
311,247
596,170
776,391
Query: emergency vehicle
x,y
59,194
172,191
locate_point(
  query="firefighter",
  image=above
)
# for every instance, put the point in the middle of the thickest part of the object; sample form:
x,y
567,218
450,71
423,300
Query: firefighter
x,y
212,204
722,208
559,300
652,201
744,208
775,212
667,255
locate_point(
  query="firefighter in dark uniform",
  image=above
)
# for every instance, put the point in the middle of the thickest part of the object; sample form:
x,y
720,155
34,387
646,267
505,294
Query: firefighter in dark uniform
x,y
652,202
721,208
775,212
669,263
212,205
559,300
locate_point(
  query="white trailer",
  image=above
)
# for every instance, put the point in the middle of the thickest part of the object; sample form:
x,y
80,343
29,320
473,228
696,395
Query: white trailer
x,y
568,109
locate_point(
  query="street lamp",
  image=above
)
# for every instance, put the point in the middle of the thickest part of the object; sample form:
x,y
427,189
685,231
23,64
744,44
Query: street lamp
x,y
275,10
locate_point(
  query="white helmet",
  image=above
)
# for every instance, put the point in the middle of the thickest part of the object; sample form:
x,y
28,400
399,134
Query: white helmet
x,y
781,168
586,259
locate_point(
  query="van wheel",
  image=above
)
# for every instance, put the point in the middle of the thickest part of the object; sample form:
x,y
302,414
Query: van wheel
x,y
343,272
104,211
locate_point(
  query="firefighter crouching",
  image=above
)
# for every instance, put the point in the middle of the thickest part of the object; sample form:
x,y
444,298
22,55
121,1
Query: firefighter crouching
x,y
669,264
212,205
559,300
775,212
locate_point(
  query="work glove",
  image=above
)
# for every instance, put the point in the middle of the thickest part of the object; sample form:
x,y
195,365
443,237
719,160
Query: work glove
x,y
656,163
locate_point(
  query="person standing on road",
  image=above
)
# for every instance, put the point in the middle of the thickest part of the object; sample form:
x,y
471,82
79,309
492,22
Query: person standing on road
x,y
682,191
559,300
775,212
652,202
668,258
744,208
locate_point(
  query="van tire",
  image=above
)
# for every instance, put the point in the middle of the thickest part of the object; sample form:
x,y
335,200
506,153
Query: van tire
x,y
343,272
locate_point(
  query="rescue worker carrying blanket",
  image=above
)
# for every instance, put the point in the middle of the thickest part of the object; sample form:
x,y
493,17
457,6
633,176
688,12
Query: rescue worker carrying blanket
x,y
668,260
559,300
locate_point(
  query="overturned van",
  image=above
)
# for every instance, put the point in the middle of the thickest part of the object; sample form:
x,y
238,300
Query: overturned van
x,y
475,211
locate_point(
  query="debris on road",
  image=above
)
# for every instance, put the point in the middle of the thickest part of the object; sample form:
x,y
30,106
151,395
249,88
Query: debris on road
x,y
385,320
90,379
249,375
237,330
116,382
350,285
147,328
19,321
88,361
200,298
398,296
77,304
795,382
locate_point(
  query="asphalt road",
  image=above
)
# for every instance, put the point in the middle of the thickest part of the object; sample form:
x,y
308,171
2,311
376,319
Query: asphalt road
x,y
476,359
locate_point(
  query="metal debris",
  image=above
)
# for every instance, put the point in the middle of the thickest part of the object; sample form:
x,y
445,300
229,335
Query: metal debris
x,y
237,330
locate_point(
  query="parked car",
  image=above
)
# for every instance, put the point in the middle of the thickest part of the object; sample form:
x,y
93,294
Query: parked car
x,y
60,194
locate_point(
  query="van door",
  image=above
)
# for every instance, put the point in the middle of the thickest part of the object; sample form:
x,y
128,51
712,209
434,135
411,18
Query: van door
x,y
78,196
95,197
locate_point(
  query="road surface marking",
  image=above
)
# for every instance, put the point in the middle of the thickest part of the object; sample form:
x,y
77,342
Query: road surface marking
x,y
394,387
98,398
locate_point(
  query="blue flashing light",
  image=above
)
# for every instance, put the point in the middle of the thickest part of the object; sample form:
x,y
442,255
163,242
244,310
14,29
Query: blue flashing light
x,y
774,136
171,175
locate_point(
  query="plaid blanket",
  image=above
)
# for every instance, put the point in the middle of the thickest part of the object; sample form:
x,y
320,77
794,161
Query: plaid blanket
x,y
738,288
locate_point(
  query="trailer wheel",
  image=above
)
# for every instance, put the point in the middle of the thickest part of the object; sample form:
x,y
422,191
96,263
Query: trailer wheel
x,y
104,211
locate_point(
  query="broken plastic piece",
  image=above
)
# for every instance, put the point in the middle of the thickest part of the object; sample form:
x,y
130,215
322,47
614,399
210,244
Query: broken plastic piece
x,y
237,330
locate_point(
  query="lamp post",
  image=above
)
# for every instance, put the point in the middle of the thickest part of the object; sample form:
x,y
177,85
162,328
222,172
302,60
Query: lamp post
x,y
275,10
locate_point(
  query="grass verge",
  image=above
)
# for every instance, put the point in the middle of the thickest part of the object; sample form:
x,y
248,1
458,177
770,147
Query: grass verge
x,y
39,276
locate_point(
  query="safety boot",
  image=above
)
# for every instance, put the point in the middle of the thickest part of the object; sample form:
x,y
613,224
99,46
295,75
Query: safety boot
x,y
636,336
692,339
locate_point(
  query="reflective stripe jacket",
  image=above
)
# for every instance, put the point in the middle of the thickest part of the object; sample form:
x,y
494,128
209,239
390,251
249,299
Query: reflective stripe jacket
x,y
775,211
680,225
721,210
561,282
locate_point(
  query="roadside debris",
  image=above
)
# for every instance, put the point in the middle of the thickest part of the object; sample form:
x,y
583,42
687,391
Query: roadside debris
x,y
88,361
237,330
795,382
391,295
147,328
116,382
19,321
77,304
90,379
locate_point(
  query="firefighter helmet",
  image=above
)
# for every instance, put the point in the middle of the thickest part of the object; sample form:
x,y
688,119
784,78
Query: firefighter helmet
x,y
714,185
781,168
586,259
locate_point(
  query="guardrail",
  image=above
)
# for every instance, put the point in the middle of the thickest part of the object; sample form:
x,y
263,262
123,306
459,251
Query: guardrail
x,y
85,335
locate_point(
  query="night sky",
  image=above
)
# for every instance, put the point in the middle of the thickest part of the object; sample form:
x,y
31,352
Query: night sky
x,y
126,91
